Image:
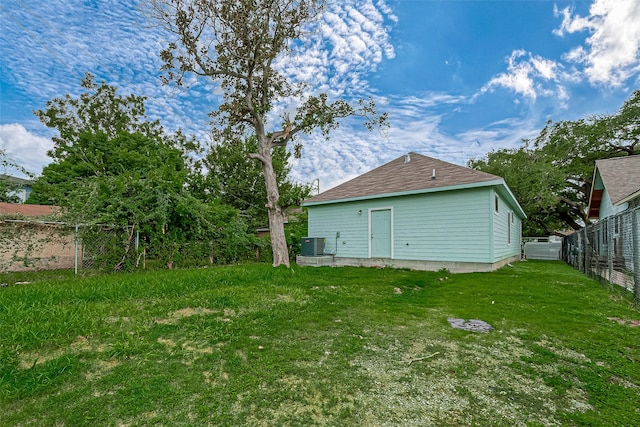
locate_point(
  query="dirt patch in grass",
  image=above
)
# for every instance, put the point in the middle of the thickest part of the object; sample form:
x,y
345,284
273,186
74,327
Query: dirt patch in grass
x,y
29,359
564,353
197,348
32,358
100,369
175,316
619,321
168,342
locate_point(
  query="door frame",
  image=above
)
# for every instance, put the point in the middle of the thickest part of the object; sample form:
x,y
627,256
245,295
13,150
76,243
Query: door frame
x,y
391,242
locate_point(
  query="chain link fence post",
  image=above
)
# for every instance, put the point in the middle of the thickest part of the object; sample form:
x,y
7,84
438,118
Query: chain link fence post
x,y
635,225
75,252
609,229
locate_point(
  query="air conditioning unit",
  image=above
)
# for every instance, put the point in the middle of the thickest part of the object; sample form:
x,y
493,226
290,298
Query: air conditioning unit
x,y
312,246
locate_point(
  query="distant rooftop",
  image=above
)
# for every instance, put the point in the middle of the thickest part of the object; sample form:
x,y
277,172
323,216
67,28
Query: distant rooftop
x,y
28,211
621,177
15,180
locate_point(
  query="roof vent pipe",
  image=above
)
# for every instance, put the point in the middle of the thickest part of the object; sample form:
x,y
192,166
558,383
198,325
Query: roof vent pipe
x,y
433,174
407,158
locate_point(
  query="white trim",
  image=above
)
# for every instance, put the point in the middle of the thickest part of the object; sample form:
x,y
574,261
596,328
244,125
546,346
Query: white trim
x,y
384,208
628,198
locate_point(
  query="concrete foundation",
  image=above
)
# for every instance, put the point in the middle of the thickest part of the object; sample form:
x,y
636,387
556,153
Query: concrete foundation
x,y
452,266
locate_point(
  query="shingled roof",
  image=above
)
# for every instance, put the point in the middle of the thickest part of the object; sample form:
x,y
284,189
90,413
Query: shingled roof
x,y
621,178
410,173
27,211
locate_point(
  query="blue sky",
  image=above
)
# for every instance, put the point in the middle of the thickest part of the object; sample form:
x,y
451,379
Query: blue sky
x,y
458,78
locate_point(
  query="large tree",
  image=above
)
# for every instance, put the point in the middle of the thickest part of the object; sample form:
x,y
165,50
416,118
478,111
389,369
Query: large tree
x,y
236,44
551,175
101,112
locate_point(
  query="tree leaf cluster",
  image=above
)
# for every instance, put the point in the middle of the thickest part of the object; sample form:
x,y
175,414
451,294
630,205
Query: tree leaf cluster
x,y
234,179
551,175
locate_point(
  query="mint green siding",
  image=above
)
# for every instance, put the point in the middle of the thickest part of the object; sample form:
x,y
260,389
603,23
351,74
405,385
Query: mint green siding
x,y
607,208
507,230
348,219
455,225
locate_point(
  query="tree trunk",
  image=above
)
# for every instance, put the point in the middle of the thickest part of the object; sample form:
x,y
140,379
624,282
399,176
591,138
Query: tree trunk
x,y
276,214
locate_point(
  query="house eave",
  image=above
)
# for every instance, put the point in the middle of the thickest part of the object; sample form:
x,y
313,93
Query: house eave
x,y
593,211
492,183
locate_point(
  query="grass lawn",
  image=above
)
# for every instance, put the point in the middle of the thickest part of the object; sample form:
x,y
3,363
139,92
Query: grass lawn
x,y
254,345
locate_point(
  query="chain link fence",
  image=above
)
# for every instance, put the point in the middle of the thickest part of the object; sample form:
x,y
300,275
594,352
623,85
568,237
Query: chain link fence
x,y
40,245
100,247
37,245
608,250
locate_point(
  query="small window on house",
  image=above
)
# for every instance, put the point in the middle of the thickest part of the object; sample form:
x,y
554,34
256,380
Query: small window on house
x,y
509,218
512,221
496,201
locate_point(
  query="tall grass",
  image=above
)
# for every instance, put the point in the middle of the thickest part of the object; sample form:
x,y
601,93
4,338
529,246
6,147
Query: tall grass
x,y
254,345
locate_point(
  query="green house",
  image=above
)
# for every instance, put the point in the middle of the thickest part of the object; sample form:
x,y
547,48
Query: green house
x,y
420,213
616,186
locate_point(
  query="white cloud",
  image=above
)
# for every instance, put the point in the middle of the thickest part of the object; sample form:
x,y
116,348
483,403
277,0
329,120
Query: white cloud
x,y
610,55
531,76
350,40
518,78
612,52
24,148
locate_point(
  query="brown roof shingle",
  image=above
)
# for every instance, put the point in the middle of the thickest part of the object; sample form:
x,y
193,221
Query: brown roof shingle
x,y
620,176
400,176
28,211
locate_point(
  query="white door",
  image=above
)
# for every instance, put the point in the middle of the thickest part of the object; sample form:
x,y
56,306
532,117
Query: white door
x,y
381,233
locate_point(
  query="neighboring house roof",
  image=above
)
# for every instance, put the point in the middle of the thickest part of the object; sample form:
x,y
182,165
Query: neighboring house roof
x,y
620,177
15,180
28,211
411,174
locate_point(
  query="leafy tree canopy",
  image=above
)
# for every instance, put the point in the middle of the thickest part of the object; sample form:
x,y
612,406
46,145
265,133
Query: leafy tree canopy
x,y
97,110
551,175
112,166
236,180
87,126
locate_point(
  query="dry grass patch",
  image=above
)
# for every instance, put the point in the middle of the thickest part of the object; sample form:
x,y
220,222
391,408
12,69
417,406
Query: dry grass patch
x,y
463,383
175,316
